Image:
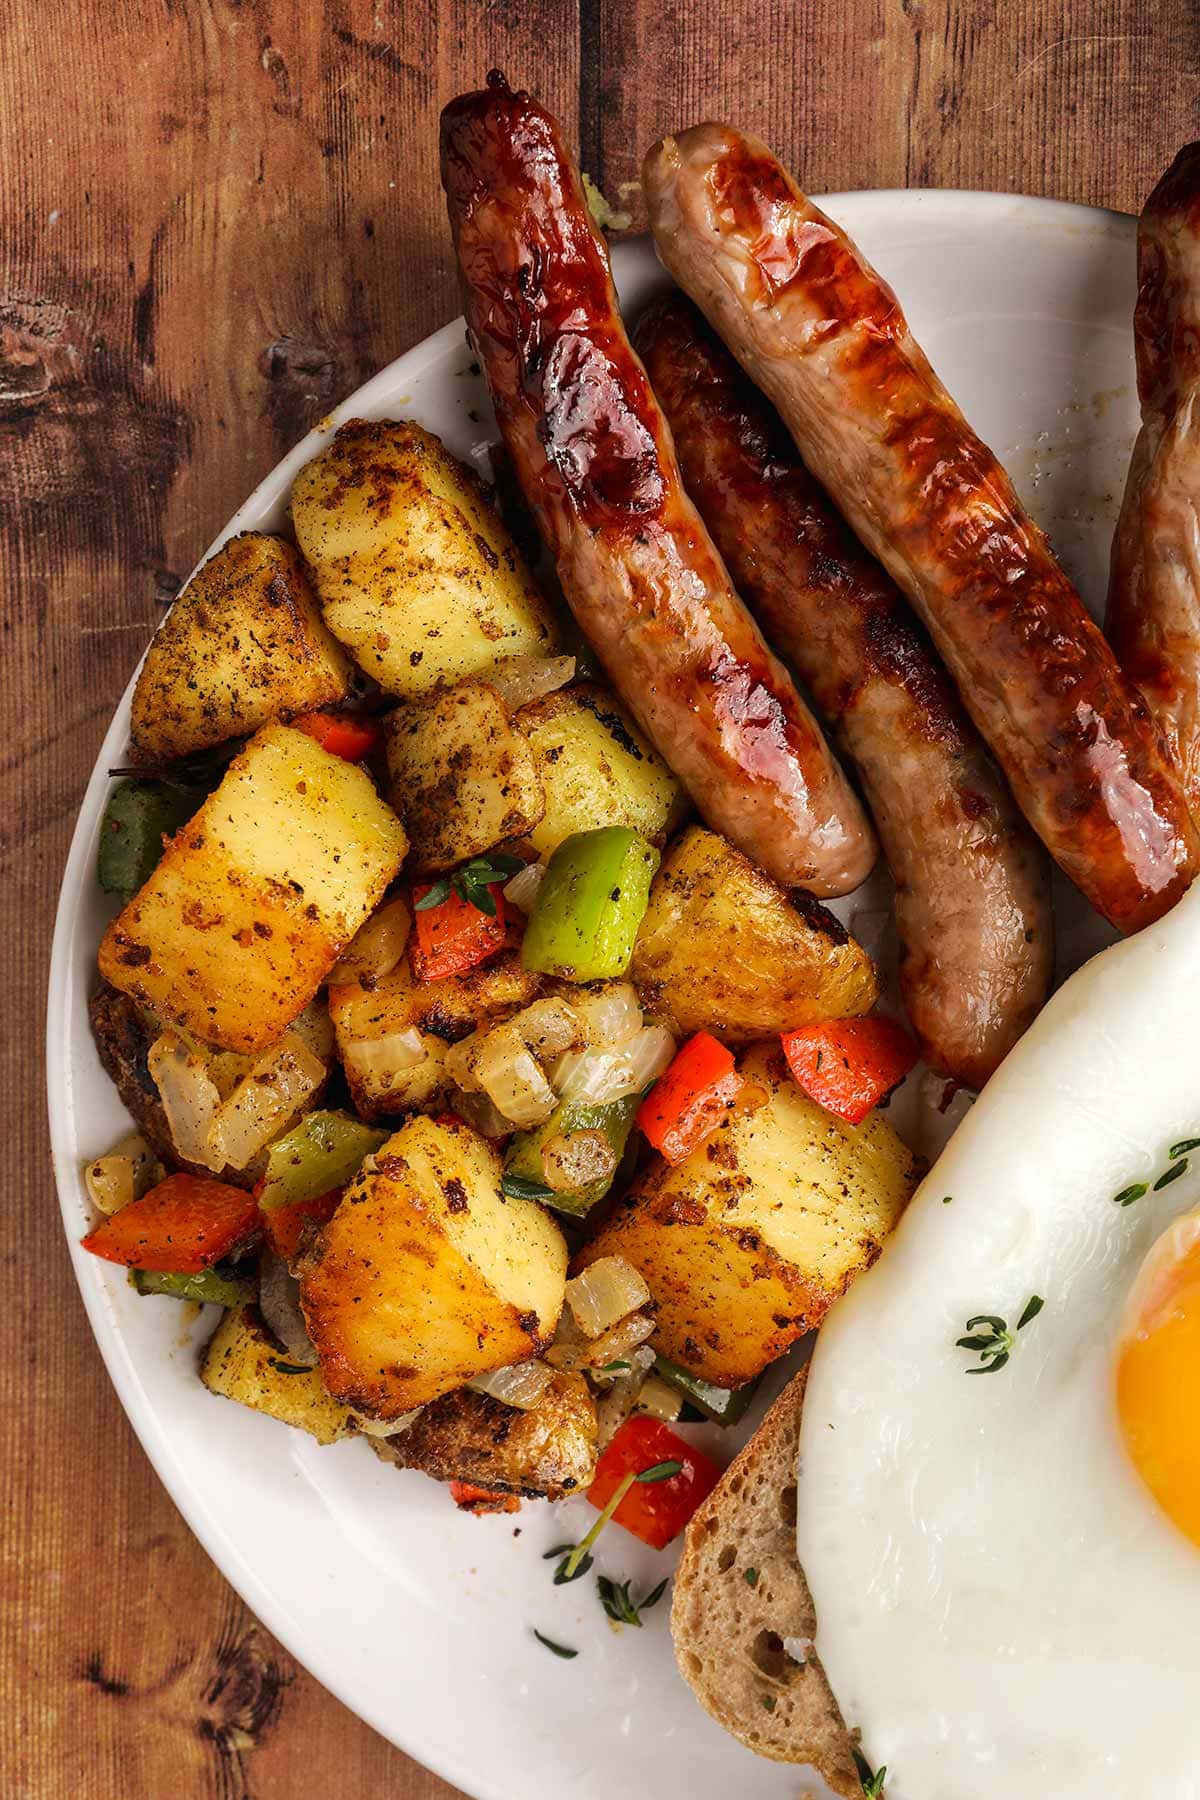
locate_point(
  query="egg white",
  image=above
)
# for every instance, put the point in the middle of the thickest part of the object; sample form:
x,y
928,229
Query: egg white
x,y
1002,1608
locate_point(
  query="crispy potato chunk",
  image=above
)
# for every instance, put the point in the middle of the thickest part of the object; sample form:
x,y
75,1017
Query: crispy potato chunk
x,y
242,1363
723,949
415,572
545,1453
257,896
368,1018
463,777
427,1275
747,1243
596,769
243,644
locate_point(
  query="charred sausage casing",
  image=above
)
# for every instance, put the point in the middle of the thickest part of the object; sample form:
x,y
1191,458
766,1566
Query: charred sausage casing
x,y
1154,594
972,897
595,462
826,341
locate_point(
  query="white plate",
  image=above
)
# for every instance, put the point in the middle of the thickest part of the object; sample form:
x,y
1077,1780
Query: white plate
x,y
419,1618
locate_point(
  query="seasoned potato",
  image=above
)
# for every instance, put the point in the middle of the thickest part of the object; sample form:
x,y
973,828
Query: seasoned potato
x,y
243,644
242,1363
545,1453
416,573
721,948
256,897
385,1079
463,778
596,769
427,1275
748,1242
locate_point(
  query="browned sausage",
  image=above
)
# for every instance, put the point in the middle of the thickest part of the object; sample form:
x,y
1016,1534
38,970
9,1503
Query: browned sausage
x,y
972,898
595,463
825,339
1154,594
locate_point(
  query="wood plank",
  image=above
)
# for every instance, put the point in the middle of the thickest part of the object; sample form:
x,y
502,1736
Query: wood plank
x,y
221,217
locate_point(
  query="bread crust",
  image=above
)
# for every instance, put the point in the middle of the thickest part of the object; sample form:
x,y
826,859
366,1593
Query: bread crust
x,y
740,1591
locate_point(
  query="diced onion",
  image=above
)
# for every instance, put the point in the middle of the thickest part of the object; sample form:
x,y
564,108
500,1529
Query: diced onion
x,y
512,1078
520,679
520,1384
376,948
611,1014
614,1406
479,1112
606,1291
615,1345
314,1027
127,1172
522,890
189,1098
109,1182
549,1028
383,1428
659,1399
382,1058
596,1076
261,1104
573,1159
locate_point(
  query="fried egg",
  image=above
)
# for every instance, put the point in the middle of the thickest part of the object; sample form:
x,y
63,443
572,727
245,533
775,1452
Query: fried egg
x,y
1002,1534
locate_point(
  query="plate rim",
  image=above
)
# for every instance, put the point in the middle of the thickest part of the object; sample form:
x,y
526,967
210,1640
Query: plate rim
x,y
63,996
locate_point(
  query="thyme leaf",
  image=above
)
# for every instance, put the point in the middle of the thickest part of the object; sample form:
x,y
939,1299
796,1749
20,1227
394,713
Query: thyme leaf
x,y
562,1650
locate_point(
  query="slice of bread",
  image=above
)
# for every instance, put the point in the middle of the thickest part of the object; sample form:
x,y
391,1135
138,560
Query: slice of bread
x,y
740,1592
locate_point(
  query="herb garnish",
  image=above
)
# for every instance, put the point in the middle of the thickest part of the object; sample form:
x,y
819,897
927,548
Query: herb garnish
x,y
619,1604
518,1188
872,1782
946,1199
556,1649
1182,1147
570,1569
751,1577
287,1368
1133,1192
614,1368
472,883
563,1551
768,1701
995,1344
1172,1174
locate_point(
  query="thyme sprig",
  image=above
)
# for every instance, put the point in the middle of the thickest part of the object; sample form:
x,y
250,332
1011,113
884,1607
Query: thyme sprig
x,y
572,1565
995,1342
619,1604
472,883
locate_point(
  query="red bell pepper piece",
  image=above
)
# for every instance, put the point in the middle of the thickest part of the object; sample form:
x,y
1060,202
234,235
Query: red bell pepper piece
x,y
284,1224
454,935
185,1224
469,1498
848,1065
341,734
655,1511
690,1098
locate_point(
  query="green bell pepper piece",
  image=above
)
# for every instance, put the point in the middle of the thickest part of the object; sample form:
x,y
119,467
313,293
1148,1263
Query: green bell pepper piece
x,y
724,1406
209,1287
590,905
320,1153
524,1176
139,815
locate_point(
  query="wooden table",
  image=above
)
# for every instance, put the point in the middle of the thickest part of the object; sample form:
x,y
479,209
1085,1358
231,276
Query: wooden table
x,y
220,217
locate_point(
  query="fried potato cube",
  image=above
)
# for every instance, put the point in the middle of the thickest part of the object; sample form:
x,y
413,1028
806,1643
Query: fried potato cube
x,y
415,571
747,1243
257,896
596,769
546,1452
243,644
374,1024
427,1274
722,948
463,777
242,1363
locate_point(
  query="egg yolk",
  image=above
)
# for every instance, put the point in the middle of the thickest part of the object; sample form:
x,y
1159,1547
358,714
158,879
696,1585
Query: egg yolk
x,y
1158,1374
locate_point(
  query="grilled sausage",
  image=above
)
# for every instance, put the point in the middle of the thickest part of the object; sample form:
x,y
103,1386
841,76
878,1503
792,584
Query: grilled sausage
x,y
825,339
972,898
1154,593
595,463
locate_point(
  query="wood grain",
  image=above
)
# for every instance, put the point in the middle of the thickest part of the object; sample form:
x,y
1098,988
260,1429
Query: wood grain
x,y
219,217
